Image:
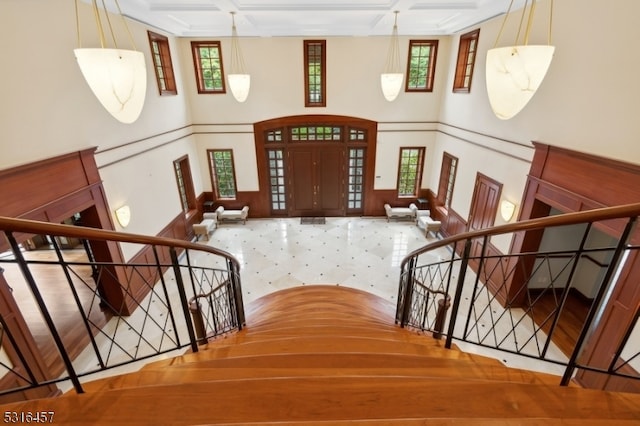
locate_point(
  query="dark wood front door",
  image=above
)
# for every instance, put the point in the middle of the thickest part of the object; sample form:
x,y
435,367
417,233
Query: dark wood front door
x,y
316,182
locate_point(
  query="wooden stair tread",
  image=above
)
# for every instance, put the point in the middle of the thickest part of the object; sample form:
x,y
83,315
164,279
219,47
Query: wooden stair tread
x,y
318,299
335,398
327,345
310,360
548,421
391,333
199,373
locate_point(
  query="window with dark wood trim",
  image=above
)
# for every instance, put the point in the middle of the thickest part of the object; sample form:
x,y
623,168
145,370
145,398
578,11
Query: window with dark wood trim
x,y
207,61
185,184
223,175
466,61
421,65
162,64
277,179
315,80
447,179
410,171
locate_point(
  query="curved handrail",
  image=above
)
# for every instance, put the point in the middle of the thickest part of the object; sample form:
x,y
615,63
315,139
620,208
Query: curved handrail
x,y
73,231
606,213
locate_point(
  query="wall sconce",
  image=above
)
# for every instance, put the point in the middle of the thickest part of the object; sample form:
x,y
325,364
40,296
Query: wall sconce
x,y
514,73
123,214
117,77
507,208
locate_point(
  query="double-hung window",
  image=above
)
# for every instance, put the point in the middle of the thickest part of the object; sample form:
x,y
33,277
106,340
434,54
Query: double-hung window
x,y
161,56
410,171
185,184
223,174
315,75
466,61
447,179
421,65
207,61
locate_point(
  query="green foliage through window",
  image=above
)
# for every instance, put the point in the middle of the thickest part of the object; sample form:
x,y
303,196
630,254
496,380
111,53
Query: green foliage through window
x,y
422,59
222,173
315,73
209,69
410,171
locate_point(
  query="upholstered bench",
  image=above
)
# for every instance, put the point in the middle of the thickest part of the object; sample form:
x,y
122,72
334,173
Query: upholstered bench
x,y
400,212
206,227
232,215
424,220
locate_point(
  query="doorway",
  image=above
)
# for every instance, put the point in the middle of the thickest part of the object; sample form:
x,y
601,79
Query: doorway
x,y
484,207
316,181
318,165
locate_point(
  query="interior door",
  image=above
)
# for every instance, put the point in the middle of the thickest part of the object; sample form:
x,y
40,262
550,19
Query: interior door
x,y
484,207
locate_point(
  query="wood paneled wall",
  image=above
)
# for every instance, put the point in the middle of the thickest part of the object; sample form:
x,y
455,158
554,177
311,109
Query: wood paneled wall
x,y
573,181
53,190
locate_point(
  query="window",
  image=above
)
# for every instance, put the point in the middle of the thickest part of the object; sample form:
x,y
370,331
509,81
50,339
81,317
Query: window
x,y
421,65
316,133
275,157
447,179
207,60
223,175
466,60
355,175
315,73
410,171
162,64
185,184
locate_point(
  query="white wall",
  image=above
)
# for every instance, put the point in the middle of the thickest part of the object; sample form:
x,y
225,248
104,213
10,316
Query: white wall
x,y
47,109
354,65
588,101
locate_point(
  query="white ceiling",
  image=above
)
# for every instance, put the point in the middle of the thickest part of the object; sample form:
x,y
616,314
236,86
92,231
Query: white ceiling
x,y
312,18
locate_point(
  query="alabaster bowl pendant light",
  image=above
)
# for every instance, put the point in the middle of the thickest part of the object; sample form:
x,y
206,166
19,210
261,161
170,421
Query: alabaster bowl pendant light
x,y
514,73
391,78
239,80
117,77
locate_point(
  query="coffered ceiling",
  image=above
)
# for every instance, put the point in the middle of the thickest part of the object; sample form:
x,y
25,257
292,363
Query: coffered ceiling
x,y
319,18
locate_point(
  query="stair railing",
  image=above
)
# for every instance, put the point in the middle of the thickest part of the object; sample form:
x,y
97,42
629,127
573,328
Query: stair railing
x,y
121,313
497,299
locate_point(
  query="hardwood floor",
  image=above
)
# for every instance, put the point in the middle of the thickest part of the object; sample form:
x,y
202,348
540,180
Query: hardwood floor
x,y
59,298
570,322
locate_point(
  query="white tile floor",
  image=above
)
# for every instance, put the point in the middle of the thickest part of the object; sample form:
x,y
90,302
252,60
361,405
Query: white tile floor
x,y
363,253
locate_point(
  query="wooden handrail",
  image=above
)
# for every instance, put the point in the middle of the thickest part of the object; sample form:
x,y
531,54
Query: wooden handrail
x,y
74,231
595,215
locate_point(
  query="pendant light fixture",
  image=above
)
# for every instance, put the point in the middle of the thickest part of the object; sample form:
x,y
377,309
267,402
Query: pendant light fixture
x,y
239,80
391,78
514,73
117,77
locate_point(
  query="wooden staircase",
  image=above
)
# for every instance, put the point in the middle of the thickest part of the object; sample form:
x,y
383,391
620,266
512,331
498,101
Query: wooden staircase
x,y
332,355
